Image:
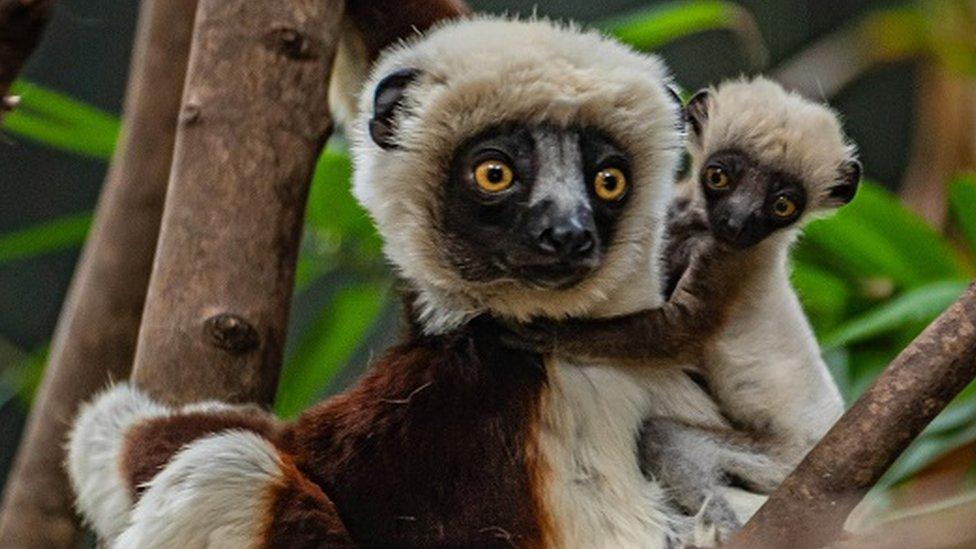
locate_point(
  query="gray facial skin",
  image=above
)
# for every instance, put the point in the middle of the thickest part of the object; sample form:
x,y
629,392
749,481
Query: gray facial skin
x,y
549,227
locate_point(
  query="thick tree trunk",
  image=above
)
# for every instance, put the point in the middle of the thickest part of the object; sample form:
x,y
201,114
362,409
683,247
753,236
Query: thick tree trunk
x,y
254,119
22,24
96,335
810,507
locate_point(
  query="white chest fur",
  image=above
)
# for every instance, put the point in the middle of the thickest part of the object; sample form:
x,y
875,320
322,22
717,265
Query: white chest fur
x,y
591,418
595,491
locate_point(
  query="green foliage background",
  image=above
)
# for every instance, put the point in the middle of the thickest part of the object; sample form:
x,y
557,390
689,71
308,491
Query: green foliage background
x,y
870,277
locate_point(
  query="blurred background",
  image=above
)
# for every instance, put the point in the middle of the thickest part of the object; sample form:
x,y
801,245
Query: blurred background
x,y
903,75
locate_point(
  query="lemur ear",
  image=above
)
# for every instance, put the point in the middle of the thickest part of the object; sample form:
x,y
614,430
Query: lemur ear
x,y
387,100
679,105
846,187
696,112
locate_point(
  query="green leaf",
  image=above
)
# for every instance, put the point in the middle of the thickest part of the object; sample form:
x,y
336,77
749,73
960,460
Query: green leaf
x,y
332,210
664,23
824,295
927,251
337,230
875,237
960,413
839,364
63,108
865,364
50,236
22,378
962,200
920,305
328,344
924,451
56,120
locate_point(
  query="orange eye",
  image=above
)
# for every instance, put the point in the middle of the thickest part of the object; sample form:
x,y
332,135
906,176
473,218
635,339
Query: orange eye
x,y
716,178
493,176
784,207
610,184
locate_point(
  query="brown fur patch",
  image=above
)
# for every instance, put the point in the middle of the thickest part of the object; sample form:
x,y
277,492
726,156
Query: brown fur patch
x,y
434,446
384,22
300,515
151,444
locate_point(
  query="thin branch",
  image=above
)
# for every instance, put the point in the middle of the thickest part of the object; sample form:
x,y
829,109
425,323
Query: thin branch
x,y
810,507
96,334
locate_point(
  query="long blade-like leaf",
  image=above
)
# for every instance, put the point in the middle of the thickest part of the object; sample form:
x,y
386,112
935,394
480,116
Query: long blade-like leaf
x,y
658,25
916,306
962,199
876,237
328,344
62,108
56,120
50,236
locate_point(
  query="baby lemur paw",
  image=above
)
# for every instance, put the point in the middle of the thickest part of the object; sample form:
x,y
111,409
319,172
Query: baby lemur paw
x,y
538,336
714,523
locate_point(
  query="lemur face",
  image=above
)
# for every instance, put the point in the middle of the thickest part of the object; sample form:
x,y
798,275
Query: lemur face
x,y
746,201
521,168
534,204
767,159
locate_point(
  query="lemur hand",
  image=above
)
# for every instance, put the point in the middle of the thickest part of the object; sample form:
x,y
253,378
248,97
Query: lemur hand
x,y
538,336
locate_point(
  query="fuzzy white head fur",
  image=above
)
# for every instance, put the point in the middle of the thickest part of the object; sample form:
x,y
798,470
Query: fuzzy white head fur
x,y
475,74
780,129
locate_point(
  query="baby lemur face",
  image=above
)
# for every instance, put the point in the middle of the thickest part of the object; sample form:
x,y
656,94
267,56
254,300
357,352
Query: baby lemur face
x,y
766,159
537,204
746,201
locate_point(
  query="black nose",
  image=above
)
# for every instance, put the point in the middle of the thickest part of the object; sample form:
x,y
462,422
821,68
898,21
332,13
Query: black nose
x,y
567,238
728,226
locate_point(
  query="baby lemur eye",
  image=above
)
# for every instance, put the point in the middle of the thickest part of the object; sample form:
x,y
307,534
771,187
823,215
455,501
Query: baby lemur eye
x,y
610,184
493,176
716,178
784,207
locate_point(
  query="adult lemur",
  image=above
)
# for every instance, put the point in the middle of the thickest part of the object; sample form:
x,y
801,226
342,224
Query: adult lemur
x,y
513,168
764,161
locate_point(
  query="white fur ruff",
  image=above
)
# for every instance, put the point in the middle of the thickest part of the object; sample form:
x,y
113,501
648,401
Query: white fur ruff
x,y
94,447
480,72
213,494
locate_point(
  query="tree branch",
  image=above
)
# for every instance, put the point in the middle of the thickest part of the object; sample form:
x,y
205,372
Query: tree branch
x,y
22,23
96,334
810,507
254,120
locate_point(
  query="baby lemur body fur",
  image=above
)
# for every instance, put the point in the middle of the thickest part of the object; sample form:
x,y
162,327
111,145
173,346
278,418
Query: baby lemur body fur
x,y
764,161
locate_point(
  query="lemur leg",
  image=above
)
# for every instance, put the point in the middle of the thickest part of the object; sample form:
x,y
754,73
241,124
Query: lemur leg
x,y
696,465
757,471
686,463
206,475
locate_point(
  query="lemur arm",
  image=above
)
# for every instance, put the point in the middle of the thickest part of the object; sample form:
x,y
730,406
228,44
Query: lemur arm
x,y
693,311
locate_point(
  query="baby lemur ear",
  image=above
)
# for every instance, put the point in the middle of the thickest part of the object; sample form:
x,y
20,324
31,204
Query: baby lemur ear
x,y
846,187
696,112
679,105
387,100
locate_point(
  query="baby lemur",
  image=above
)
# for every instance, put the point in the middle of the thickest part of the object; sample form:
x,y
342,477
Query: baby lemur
x,y
763,161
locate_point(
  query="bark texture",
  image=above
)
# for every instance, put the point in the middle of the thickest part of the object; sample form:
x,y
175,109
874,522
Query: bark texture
x,y
96,334
810,507
22,24
253,122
